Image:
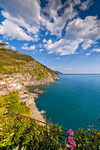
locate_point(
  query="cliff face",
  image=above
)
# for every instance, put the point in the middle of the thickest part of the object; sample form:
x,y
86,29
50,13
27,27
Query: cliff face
x,y
27,79
34,111
26,70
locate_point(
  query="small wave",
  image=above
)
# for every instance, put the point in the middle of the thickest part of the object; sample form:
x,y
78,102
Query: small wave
x,y
42,112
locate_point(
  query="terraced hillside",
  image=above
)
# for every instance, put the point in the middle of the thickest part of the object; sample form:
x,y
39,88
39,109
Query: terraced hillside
x,y
15,62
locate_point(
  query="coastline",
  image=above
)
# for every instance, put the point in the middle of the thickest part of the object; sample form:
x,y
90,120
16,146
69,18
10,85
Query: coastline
x,y
20,82
34,111
31,103
42,82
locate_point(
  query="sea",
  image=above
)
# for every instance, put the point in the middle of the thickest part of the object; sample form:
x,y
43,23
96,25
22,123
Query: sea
x,y
72,103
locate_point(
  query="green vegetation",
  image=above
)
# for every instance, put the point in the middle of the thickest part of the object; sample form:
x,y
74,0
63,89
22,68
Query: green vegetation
x,y
13,61
18,132
89,139
11,102
23,132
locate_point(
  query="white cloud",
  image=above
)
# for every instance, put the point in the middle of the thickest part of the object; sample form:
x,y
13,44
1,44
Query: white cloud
x,y
12,47
86,4
77,1
87,54
62,47
40,45
52,7
95,45
85,29
77,31
19,21
87,43
32,47
41,50
23,21
28,48
20,16
29,10
25,44
58,58
44,40
46,33
95,50
30,16
9,29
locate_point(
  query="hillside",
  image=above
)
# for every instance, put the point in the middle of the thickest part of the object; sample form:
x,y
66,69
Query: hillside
x,y
29,69
57,72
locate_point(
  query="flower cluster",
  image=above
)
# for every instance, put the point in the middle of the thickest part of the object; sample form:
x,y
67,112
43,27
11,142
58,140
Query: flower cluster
x,y
71,142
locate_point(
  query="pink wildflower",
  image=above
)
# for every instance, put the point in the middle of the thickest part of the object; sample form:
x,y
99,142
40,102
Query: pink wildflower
x,y
72,147
70,138
12,124
70,132
72,142
66,149
65,140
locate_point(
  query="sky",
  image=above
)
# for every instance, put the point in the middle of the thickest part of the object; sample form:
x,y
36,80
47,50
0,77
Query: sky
x,y
63,35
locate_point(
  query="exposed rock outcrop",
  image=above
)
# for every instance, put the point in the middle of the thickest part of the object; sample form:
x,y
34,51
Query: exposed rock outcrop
x,y
38,91
28,80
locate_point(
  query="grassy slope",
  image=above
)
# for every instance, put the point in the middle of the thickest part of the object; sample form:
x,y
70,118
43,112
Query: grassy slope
x,y
13,61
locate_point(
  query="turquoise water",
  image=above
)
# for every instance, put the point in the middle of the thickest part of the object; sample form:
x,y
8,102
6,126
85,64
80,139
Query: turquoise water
x,y
73,103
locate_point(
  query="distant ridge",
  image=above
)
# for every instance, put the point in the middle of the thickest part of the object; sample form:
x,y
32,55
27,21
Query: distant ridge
x,y
57,72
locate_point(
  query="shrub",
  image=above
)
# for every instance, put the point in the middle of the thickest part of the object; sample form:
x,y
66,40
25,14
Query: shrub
x,y
20,132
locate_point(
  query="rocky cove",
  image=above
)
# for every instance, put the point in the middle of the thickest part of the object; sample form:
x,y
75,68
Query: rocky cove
x,y
31,101
20,82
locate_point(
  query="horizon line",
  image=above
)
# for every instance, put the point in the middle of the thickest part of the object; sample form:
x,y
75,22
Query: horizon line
x,y
81,73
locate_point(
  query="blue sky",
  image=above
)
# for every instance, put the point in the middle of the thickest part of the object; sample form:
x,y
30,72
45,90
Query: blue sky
x,y
64,35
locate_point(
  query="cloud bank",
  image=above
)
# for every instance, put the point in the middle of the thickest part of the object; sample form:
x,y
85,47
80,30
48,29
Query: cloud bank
x,y
24,20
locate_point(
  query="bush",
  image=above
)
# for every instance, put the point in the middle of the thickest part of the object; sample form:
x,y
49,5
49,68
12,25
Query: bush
x,y
24,132
19,132
89,139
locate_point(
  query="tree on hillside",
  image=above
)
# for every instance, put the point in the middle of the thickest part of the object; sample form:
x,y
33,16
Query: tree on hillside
x,y
3,44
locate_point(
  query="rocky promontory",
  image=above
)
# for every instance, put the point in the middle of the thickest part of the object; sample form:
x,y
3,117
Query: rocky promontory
x,y
18,71
28,80
19,81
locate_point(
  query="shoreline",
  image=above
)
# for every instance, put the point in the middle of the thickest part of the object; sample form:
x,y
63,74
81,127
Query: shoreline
x,y
19,82
42,82
34,110
30,102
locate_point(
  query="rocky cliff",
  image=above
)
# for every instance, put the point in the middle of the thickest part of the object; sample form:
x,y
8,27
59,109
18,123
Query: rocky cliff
x,y
24,68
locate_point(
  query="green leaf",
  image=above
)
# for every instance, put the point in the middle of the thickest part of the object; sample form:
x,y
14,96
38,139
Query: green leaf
x,y
16,148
